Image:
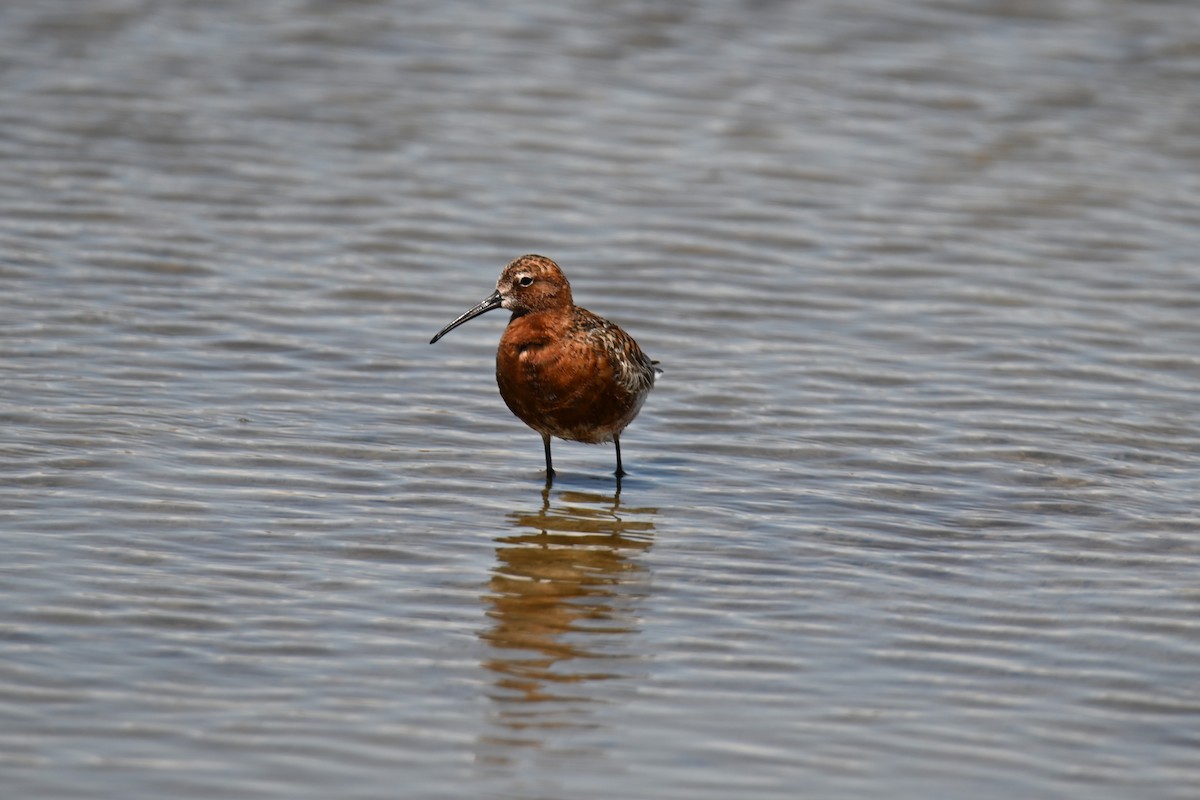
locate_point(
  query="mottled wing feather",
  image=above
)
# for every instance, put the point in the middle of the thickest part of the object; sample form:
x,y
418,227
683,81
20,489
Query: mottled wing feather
x,y
633,369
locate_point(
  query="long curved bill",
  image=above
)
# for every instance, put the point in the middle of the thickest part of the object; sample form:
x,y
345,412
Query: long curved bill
x,y
484,306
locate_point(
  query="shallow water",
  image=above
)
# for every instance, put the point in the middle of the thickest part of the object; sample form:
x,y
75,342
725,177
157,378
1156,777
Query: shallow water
x,y
911,514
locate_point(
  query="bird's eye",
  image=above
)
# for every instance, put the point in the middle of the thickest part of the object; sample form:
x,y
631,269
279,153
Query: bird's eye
x,y
525,280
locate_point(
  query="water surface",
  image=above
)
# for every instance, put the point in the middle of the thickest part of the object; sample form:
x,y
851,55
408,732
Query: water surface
x,y
911,514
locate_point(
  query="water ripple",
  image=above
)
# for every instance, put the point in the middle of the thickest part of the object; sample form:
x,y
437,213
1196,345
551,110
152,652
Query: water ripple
x,y
911,511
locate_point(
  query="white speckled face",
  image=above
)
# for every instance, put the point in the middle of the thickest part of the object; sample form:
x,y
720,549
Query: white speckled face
x,y
510,288
533,283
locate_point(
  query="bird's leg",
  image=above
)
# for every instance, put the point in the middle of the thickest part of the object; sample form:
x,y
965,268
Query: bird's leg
x,y
549,463
617,443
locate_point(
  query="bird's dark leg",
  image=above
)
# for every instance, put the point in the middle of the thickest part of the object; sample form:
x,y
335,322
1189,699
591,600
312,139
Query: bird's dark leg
x,y
617,443
549,463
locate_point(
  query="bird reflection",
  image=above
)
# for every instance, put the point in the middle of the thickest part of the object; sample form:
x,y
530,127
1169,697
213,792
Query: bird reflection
x,y
563,603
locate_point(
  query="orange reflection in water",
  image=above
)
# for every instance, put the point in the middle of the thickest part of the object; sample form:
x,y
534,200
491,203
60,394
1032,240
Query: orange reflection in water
x,y
563,605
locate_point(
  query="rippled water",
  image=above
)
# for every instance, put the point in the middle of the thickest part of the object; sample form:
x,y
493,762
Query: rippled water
x,y
911,514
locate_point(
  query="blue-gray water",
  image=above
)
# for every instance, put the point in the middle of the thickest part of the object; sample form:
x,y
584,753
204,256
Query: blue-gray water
x,y
913,512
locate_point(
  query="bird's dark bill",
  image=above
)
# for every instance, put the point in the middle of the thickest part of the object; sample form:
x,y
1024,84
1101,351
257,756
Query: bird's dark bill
x,y
484,306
